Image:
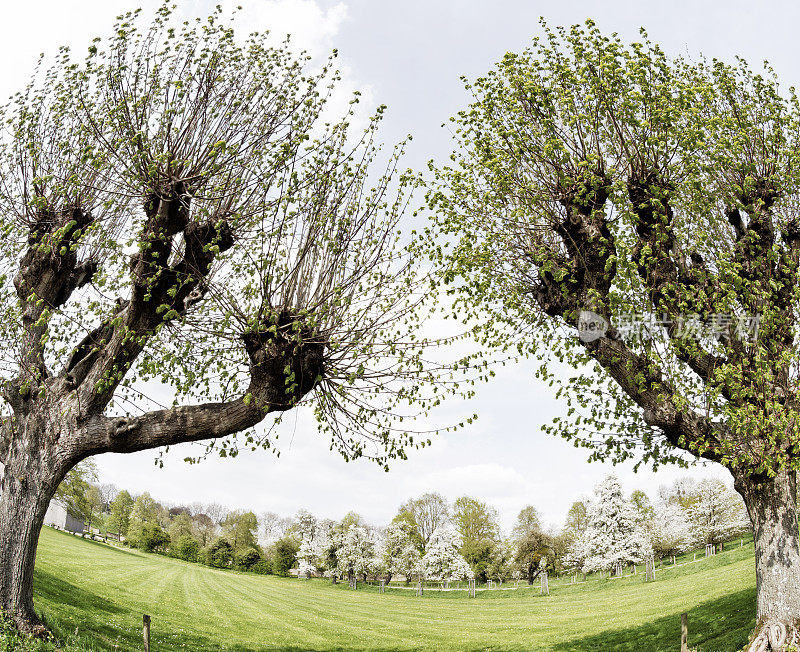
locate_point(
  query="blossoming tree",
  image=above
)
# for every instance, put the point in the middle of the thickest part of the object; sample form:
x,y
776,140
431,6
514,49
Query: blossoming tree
x,y
442,560
612,538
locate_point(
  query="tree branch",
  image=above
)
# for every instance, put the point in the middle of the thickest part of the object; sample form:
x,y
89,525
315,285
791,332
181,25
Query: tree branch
x,y
174,426
284,367
590,271
675,288
161,293
644,383
49,273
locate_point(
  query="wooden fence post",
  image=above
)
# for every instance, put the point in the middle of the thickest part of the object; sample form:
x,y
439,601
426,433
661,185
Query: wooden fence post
x,y
146,632
472,588
684,632
650,569
545,584
382,588
419,587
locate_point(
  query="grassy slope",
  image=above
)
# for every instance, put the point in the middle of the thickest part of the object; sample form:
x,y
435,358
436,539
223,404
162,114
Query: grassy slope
x,y
103,591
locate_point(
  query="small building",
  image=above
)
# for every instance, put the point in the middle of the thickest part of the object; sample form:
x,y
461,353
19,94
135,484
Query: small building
x,y
59,516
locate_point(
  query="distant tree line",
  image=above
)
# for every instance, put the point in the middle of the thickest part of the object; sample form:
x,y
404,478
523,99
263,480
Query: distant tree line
x,y
429,538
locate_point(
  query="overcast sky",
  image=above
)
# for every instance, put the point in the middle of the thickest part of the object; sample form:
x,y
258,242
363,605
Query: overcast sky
x,y
410,55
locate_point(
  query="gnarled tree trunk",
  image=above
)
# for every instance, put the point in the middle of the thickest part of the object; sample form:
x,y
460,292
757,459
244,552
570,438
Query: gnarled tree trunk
x,y
772,508
49,435
32,473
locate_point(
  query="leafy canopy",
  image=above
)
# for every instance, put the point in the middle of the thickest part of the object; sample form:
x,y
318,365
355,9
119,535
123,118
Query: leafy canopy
x,y
593,175
187,197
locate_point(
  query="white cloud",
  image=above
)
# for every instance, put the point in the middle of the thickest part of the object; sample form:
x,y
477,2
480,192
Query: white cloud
x,y
312,27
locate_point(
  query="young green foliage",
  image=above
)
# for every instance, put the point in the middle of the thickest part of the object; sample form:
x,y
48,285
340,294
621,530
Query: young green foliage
x,y
651,202
608,178
182,209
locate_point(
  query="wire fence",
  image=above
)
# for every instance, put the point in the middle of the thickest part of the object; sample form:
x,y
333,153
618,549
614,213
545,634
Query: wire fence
x,y
518,585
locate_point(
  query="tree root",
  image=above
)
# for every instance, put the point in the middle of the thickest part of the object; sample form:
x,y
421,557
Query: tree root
x,y
775,636
30,626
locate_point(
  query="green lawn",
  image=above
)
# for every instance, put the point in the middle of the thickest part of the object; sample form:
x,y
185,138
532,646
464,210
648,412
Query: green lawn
x,y
103,592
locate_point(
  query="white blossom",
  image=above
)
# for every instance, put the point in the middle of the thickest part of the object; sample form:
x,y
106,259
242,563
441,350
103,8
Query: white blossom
x,y
306,558
401,555
442,561
612,536
670,530
717,513
355,555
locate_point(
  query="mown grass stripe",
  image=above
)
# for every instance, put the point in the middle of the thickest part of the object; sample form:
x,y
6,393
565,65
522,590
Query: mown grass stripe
x,y
103,591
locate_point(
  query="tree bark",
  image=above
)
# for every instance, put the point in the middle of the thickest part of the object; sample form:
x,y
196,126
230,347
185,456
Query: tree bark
x,y
772,508
50,434
29,481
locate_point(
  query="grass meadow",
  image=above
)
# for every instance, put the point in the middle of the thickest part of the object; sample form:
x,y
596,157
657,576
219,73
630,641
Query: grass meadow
x,y
93,596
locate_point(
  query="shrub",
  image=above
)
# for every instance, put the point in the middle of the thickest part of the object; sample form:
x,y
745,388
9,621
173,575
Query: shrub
x,y
246,559
186,548
284,556
204,556
221,554
150,538
262,567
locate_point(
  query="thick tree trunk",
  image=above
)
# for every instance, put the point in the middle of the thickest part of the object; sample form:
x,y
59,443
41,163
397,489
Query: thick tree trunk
x,y
23,505
773,512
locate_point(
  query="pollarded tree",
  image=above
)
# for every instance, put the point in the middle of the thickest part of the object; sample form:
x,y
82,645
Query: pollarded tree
x,y
652,202
181,206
